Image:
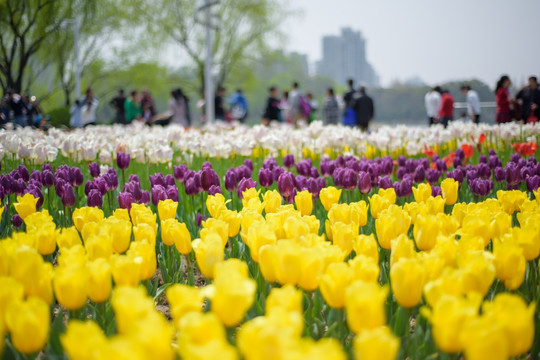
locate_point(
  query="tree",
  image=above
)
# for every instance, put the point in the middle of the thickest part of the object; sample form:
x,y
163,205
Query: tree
x,y
245,28
25,25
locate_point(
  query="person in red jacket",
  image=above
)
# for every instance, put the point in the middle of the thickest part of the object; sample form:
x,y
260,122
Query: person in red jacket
x,y
502,98
446,108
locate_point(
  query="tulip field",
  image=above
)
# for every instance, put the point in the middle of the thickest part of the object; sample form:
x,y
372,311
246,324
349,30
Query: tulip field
x,y
319,242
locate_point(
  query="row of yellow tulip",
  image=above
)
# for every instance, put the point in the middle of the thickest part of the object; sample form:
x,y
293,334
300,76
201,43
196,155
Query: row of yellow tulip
x,y
447,259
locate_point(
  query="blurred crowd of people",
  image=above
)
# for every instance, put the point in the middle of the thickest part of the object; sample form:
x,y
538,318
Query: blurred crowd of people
x,y
524,106
354,108
21,110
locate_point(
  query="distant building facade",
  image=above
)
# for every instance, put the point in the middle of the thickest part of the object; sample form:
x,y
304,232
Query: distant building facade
x,y
344,57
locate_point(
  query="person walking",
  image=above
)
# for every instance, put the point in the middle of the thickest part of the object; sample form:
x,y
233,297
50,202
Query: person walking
x,y
473,103
364,109
147,105
132,107
219,107
446,108
118,103
432,101
502,98
272,111
529,99
330,108
298,106
239,106
75,120
89,109
349,117
179,107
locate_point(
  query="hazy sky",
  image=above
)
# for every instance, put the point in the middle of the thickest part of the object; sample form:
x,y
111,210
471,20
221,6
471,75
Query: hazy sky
x,y
435,40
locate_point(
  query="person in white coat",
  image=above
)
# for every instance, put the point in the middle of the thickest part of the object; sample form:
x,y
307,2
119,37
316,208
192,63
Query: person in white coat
x,y
432,101
473,103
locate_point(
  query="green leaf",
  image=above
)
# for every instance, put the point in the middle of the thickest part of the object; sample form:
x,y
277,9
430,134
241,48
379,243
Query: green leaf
x,y
160,290
57,328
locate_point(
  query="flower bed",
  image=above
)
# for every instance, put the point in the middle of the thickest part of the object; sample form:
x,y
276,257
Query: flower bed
x,y
278,243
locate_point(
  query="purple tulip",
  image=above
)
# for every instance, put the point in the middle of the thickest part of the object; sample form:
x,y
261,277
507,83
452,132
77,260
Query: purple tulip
x,y
364,182
401,171
169,180
441,165
191,187
207,178
158,193
436,191
525,172
499,174
456,174
494,162
197,179
288,161
122,160
172,193
23,172
248,163
199,219
387,165
134,178
269,163
482,159
59,186
189,174
157,179
68,196
481,187
432,176
125,200
314,173
327,167
179,172
278,170
385,182
243,185
101,184
76,177
401,160
405,187
47,178
338,176
532,183
512,174
94,169
206,165
230,180
95,199
312,186
419,174
243,172
265,177
340,161
36,176
300,183
214,189
515,158
2,193
286,184
17,221
47,167
145,197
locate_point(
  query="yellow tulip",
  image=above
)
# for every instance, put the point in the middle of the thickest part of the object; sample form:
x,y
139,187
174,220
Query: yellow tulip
x,y
391,223
295,228
366,245
28,322
511,200
167,209
10,291
126,270
334,282
343,235
46,238
448,318
121,347
70,284
323,349
267,262
141,214
183,299
485,338
83,340
176,233
216,204
359,211
528,238
234,294
450,188
376,344
364,306
144,232
288,262
286,297
208,253
477,272
477,224
510,264
402,247
233,219
121,214
91,229
407,280
272,201
312,265
365,269
29,269
422,192
120,232
215,225
99,280
130,305
71,256
517,319
425,231
435,205
84,215
250,194
500,224
25,205
99,246
389,194
304,202
415,210
147,252
329,196
68,237
259,234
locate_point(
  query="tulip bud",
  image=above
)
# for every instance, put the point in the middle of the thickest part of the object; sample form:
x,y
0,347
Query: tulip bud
x,y
94,198
94,169
364,182
68,196
125,200
76,176
286,184
288,161
122,160
265,177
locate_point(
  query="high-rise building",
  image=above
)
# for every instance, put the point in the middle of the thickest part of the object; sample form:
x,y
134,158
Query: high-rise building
x,y
344,57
